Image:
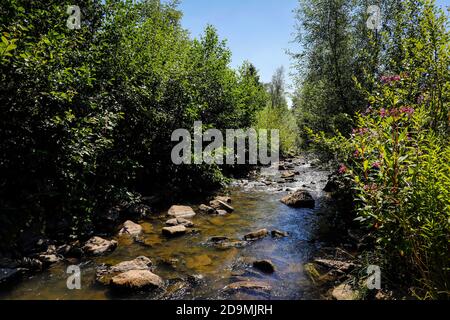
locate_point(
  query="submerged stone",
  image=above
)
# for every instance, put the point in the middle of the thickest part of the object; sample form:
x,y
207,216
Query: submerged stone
x,y
174,231
257,286
256,235
198,261
279,234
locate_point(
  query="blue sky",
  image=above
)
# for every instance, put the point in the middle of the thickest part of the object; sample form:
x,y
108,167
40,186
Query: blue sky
x,y
256,30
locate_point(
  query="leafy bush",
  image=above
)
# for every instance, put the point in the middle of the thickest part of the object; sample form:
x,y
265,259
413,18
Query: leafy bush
x,y
397,157
87,115
283,120
399,168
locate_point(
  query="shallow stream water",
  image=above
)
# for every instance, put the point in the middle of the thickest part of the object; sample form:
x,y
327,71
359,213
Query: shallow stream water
x,y
191,259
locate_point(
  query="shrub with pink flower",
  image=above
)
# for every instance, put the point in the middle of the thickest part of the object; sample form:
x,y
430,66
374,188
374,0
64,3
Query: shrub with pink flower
x,y
394,112
360,131
390,79
407,110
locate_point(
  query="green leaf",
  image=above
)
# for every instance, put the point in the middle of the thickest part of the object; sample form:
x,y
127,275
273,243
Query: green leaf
x,y
11,47
366,165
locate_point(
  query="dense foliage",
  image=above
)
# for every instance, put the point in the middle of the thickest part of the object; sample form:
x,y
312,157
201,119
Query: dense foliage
x,y
332,53
278,116
87,115
397,156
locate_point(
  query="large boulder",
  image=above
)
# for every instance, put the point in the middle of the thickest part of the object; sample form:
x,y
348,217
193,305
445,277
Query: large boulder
x,y
299,199
97,246
174,231
256,235
130,228
181,212
137,280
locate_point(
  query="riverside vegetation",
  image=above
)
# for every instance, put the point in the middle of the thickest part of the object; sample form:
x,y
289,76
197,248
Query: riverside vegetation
x,y
88,114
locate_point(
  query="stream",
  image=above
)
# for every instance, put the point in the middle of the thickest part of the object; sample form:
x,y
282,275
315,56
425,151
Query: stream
x,y
193,269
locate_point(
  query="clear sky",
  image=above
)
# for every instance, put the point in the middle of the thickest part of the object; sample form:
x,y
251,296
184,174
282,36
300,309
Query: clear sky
x,y
256,30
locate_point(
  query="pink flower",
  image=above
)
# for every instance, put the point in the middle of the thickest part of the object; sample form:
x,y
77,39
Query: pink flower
x,y
383,113
371,187
407,110
376,165
356,154
390,79
394,112
342,169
